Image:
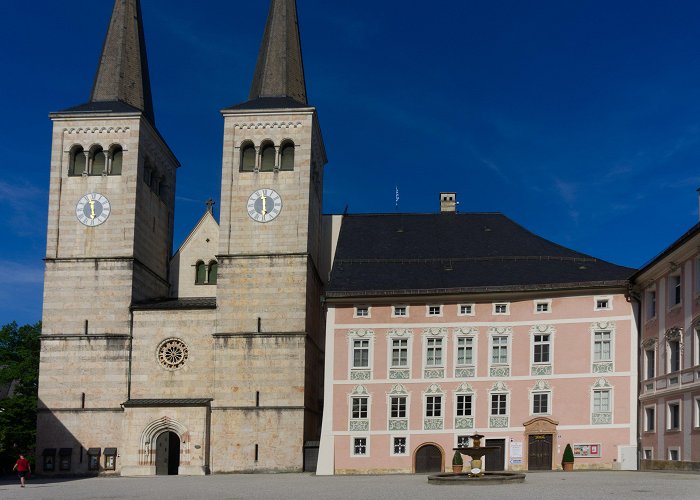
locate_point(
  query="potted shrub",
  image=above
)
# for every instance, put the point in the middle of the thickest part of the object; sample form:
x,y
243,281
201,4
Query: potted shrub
x,y
457,462
567,461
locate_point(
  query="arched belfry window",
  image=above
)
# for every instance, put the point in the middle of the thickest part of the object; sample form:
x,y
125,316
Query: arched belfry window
x,y
247,158
99,161
213,269
77,161
267,160
117,157
200,273
287,156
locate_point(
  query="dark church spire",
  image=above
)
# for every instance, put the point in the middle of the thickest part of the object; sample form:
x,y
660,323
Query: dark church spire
x,y
122,74
280,70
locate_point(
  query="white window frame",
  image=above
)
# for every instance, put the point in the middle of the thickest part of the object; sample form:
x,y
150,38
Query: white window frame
x,y
391,353
600,298
472,343
507,406
651,297
406,446
438,315
548,394
536,343
679,403
496,306
399,306
443,351
391,406
696,340
352,446
651,350
365,345
646,419
471,404
360,410
601,386
649,451
601,409
442,405
507,348
611,342
472,307
669,355
696,412
672,286
358,373
361,307
546,303
677,450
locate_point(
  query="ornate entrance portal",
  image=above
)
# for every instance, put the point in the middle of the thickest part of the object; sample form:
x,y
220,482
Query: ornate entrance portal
x,y
541,436
167,454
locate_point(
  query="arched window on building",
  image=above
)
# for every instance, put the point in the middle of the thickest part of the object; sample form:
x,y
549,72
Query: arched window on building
x,y
117,157
267,163
287,156
77,161
200,273
99,161
247,158
213,269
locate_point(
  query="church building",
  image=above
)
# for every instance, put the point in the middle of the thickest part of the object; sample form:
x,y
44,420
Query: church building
x,y
388,338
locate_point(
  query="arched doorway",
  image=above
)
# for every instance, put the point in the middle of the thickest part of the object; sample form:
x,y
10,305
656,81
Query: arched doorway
x,y
167,454
541,439
428,459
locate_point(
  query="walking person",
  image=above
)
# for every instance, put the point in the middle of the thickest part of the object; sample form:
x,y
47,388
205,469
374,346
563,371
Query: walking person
x,y
23,469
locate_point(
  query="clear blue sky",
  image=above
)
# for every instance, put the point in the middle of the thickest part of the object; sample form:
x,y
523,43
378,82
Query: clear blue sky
x,y
578,119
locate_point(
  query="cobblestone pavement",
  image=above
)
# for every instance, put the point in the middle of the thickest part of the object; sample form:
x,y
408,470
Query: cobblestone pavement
x,y
553,485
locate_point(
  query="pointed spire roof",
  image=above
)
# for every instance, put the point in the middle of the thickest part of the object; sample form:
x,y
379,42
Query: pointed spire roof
x,y
122,81
280,69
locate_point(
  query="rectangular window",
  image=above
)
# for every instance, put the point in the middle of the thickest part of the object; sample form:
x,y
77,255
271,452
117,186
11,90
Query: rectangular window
x,y
398,407
501,308
651,304
601,401
399,446
542,306
360,353
462,441
466,309
648,454
465,351
434,352
359,446
362,311
674,290
499,351
541,348
399,353
359,407
434,310
649,419
673,454
650,361
697,412
674,416
400,311
602,303
464,405
433,406
674,356
499,404
540,403
602,346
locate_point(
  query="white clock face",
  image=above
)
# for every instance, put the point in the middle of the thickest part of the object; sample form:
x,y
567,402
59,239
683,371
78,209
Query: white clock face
x,y
264,205
93,209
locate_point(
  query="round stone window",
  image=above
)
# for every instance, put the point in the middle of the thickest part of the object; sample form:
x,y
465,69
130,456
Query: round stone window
x,y
172,354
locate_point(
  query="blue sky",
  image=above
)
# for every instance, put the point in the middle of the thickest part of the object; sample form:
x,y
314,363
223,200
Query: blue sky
x,y
579,120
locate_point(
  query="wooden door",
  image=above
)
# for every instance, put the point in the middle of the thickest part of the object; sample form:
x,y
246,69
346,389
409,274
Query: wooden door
x,y
496,459
539,452
428,459
167,454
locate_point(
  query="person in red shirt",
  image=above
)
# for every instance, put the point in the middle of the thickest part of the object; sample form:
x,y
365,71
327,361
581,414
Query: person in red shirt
x,y
23,468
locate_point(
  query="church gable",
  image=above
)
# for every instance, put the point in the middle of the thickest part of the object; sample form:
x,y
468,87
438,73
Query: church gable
x,y
194,266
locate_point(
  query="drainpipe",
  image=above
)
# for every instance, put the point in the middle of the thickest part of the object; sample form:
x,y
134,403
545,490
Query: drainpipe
x,y
131,345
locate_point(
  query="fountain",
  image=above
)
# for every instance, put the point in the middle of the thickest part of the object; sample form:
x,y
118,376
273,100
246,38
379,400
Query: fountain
x,y
476,474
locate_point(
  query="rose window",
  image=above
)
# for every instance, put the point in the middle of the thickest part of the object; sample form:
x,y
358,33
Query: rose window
x,y
172,354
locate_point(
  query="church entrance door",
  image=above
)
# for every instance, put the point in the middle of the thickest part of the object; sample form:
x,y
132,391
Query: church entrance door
x,y
167,454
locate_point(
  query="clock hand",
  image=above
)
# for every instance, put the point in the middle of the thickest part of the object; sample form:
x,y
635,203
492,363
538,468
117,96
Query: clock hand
x,y
264,203
92,209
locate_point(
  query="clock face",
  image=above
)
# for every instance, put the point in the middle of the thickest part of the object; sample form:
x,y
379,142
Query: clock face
x,y
92,209
264,205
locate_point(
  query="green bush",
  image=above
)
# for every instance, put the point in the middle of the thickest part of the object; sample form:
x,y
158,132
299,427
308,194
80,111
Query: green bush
x,y
568,457
457,459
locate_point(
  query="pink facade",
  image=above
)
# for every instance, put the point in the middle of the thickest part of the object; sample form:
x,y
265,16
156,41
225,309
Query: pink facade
x,y
403,375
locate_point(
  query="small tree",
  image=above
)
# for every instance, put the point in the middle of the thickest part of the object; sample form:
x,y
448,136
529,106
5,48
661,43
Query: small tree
x,y
457,459
568,457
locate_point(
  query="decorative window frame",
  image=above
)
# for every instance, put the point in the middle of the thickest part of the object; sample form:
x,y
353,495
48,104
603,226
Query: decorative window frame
x,y
545,302
538,369
647,303
499,421
399,373
367,446
670,449
541,387
408,445
466,370
404,306
678,402
671,288
439,315
495,313
398,424
674,334
467,304
433,423
360,373
696,412
608,298
500,369
603,366
359,424
645,419
466,421
650,451
356,309
602,417
434,371
650,345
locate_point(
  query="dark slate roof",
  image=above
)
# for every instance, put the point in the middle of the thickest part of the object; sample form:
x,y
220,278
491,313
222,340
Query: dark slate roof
x,y
269,103
167,402
102,107
400,254
175,304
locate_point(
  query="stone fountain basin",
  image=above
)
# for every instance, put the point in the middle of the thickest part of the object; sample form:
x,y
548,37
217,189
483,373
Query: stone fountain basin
x,y
489,478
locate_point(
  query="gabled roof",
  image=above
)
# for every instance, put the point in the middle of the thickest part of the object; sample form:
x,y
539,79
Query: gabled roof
x,y
446,253
207,216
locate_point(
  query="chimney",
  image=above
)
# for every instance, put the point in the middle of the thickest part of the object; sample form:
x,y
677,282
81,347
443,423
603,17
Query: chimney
x,y
448,202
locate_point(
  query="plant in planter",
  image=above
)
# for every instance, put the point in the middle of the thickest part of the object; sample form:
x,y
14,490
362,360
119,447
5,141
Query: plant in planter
x,y
457,462
567,460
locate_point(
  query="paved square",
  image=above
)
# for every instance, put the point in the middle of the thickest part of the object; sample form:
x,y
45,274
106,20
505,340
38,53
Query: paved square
x,y
551,485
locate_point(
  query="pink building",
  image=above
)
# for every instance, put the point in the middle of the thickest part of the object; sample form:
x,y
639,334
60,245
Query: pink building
x,y
669,294
440,325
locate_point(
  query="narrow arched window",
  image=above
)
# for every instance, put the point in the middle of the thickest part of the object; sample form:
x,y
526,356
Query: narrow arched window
x,y
287,155
200,273
267,163
117,157
99,161
213,269
77,161
248,158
